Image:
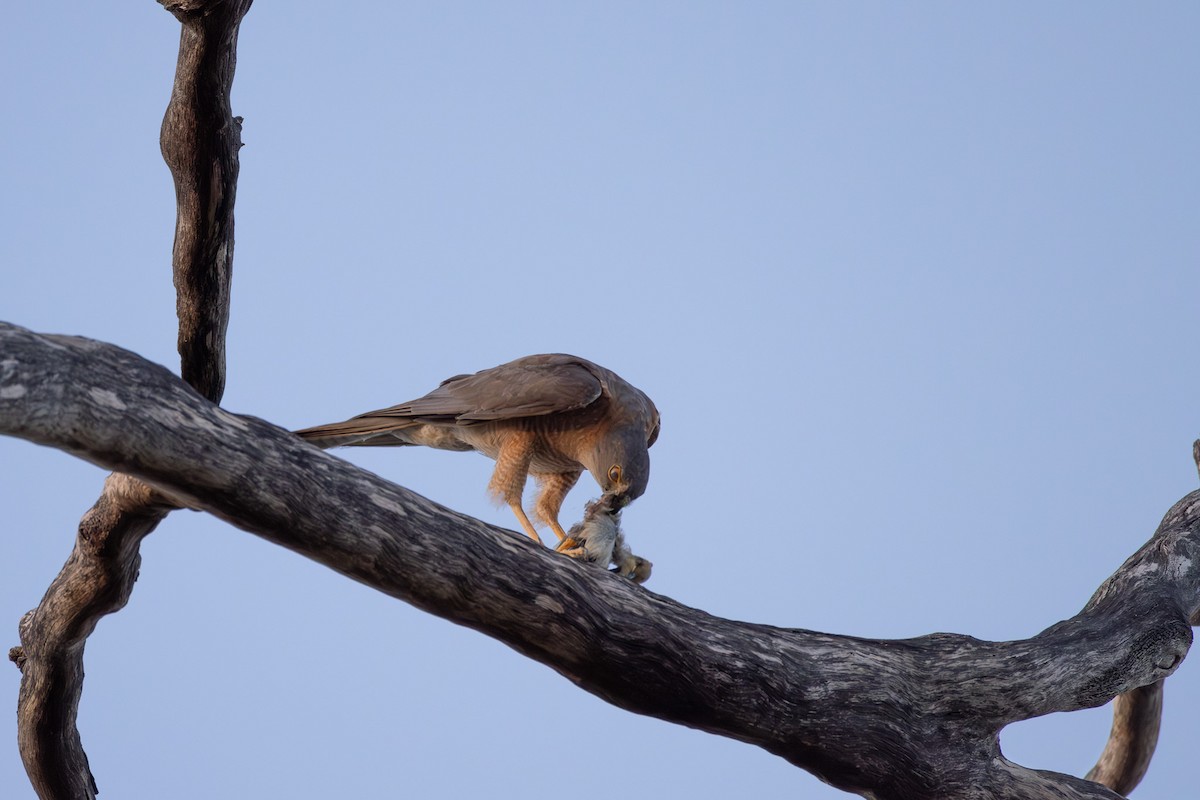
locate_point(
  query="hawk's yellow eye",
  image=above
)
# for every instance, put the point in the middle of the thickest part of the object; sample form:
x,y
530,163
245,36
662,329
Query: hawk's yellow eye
x,y
614,473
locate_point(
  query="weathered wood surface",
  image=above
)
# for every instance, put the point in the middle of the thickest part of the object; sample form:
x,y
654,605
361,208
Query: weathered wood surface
x,y
917,718
1137,716
200,140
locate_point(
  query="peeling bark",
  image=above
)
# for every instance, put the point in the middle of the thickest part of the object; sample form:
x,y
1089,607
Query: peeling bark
x,y
901,719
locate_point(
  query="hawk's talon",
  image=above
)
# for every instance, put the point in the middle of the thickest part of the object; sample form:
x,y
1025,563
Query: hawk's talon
x,y
567,544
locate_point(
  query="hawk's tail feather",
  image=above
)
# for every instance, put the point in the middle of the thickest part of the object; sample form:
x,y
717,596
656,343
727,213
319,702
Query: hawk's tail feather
x,y
363,431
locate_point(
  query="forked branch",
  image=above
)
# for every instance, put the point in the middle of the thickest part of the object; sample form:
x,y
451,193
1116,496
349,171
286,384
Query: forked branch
x,y
200,141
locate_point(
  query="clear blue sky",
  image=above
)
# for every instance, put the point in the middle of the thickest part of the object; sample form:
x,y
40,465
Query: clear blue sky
x,y
914,286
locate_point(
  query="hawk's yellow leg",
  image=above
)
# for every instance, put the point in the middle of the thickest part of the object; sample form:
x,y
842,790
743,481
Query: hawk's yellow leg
x,y
552,489
524,520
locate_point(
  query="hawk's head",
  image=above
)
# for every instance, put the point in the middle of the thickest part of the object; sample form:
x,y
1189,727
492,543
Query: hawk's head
x,y
620,463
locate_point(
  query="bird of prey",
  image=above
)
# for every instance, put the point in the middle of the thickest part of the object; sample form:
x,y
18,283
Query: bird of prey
x,y
549,416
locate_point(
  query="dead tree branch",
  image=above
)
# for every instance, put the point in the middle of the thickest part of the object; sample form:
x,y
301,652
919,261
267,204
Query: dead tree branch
x,y
907,720
1137,716
96,580
200,141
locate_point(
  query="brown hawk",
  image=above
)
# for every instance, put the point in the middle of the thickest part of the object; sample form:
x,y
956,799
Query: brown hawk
x,y
549,416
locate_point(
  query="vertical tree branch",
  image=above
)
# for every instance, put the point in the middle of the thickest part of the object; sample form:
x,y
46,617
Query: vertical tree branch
x,y
1137,716
200,141
96,580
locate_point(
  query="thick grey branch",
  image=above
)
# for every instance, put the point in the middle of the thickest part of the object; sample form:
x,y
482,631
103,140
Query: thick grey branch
x,y
917,718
